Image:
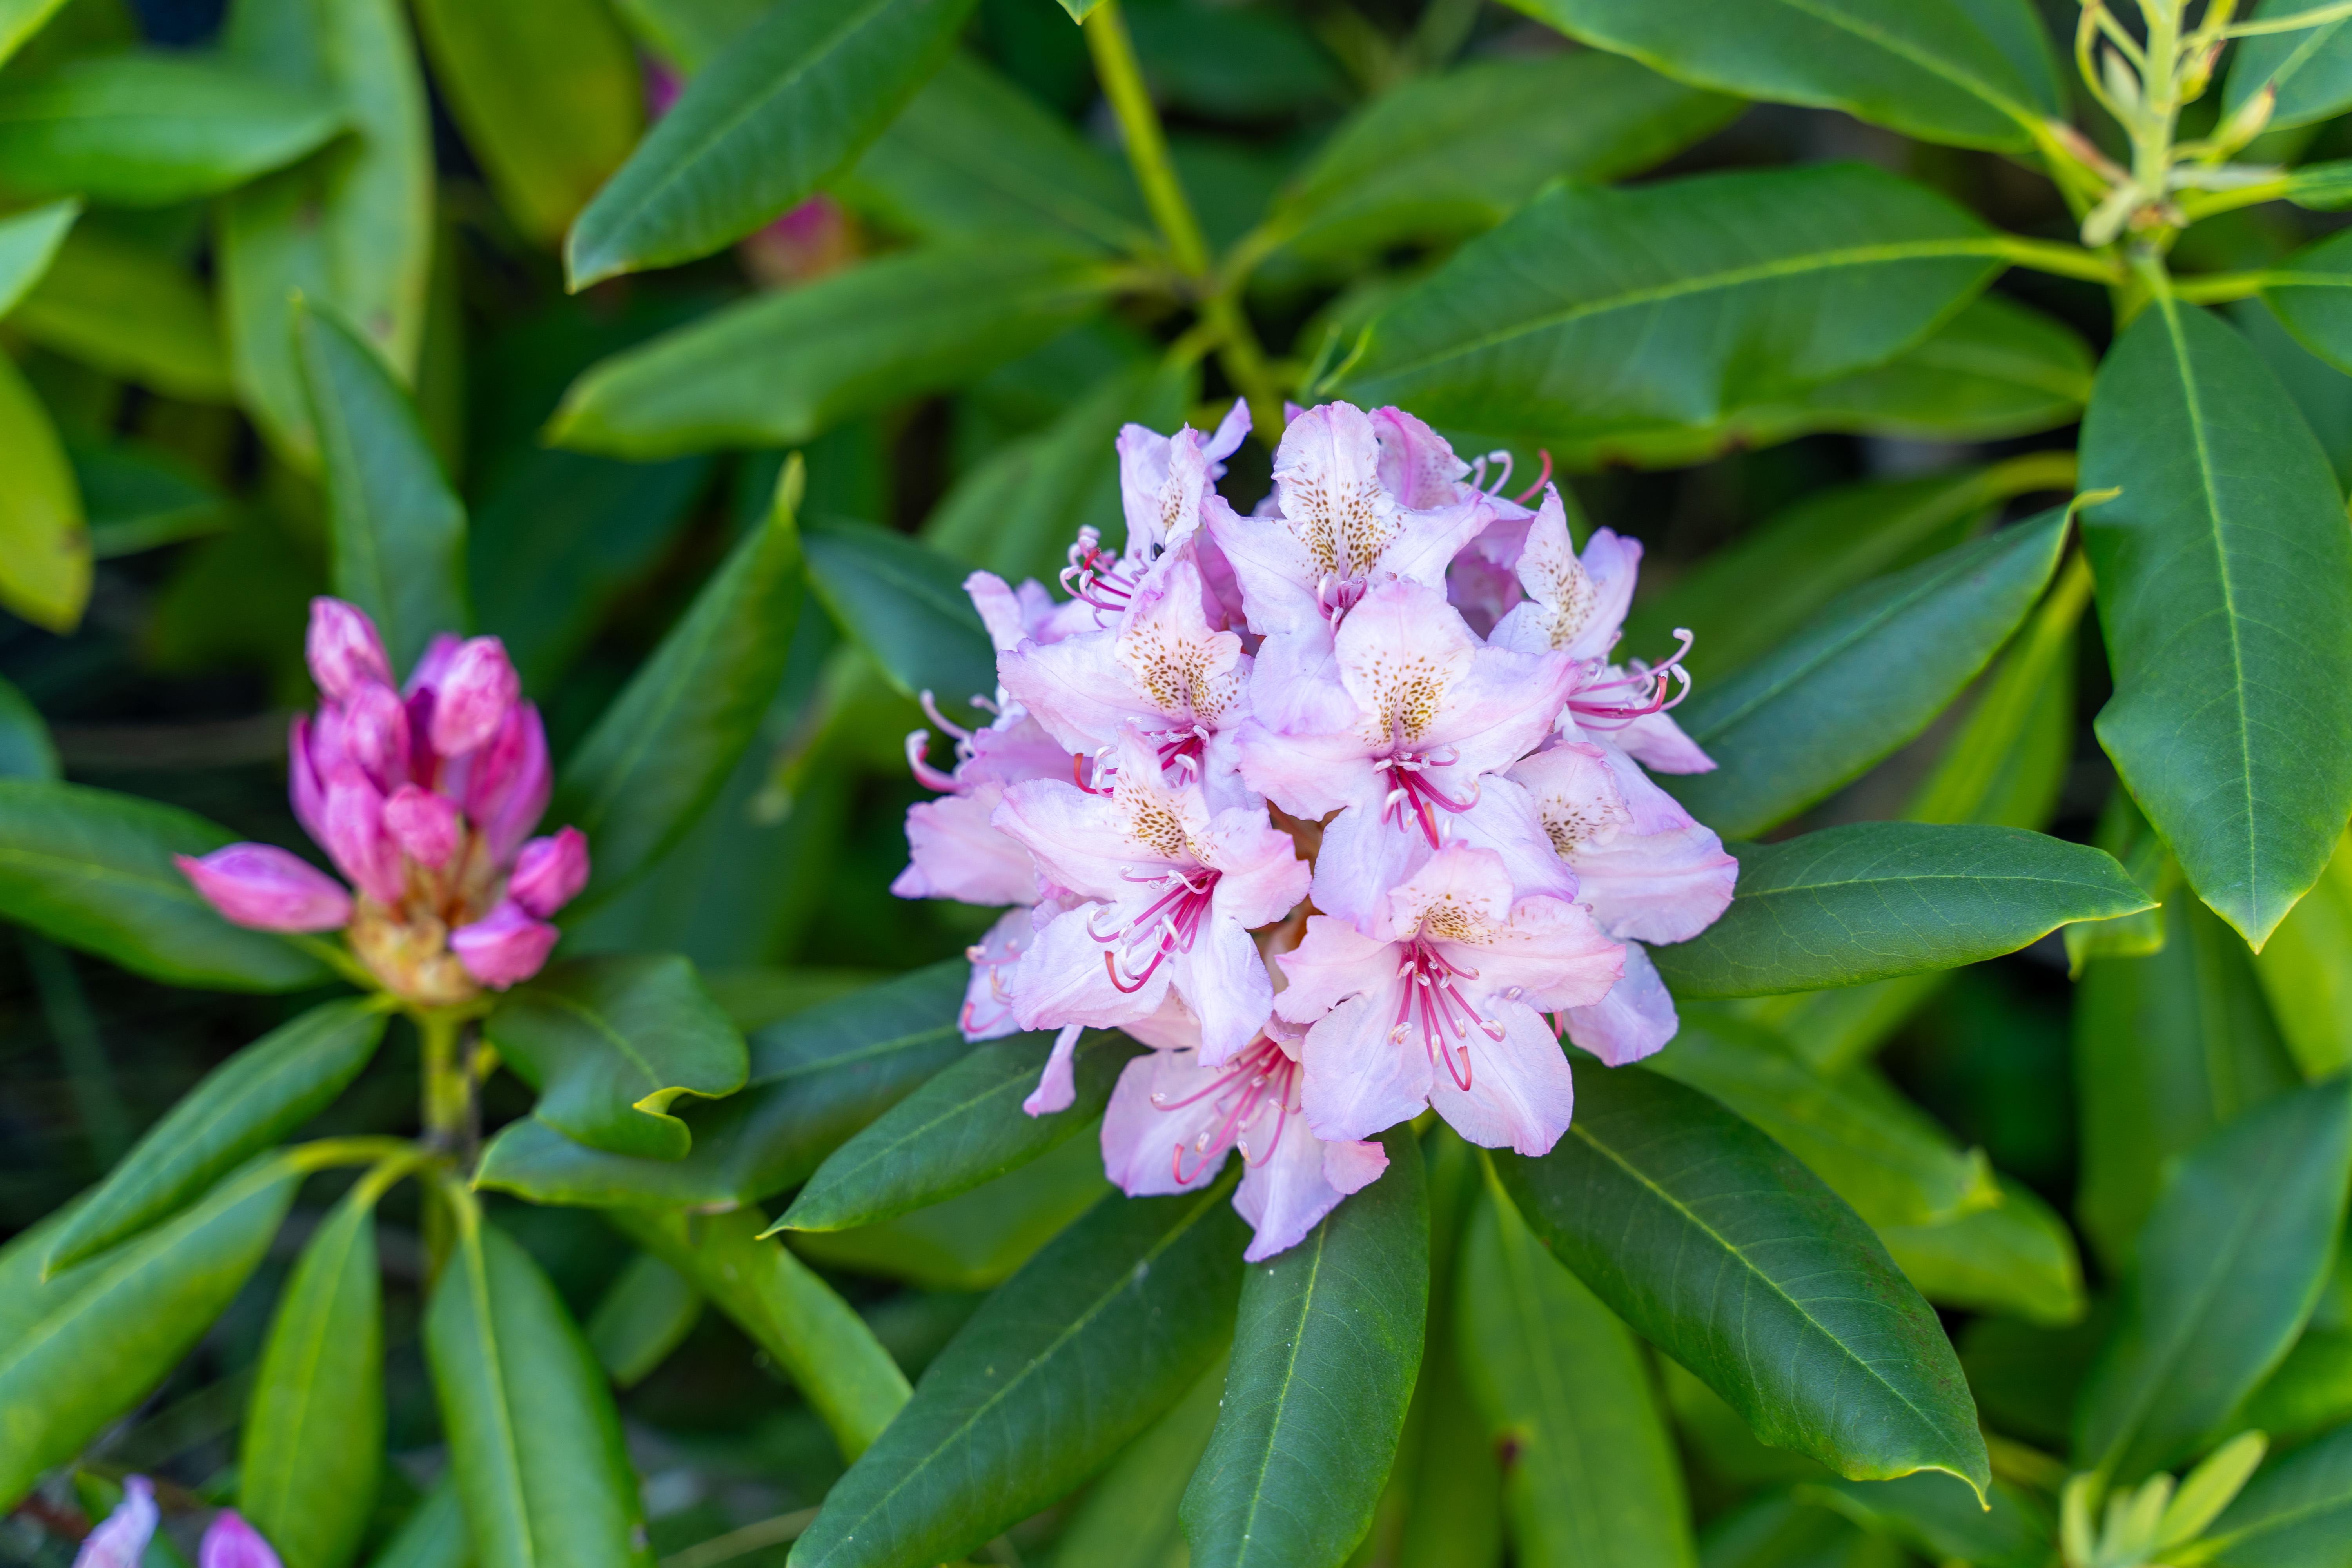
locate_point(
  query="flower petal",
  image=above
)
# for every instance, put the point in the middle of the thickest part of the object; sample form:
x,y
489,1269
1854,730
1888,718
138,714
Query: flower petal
x,y
1285,1194
230,1542
1521,1093
1141,1136
550,872
958,853
505,946
1634,1020
265,888
1361,1081
1225,983
343,650
121,1539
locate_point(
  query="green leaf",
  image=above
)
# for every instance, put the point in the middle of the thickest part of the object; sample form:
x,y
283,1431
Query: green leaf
x,y
964,1126
1565,1392
975,155
781,107
2311,292
432,1535
2225,592
93,869
1594,310
2310,1392
1714,1244
2295,1513
690,33
815,1079
612,1042
645,1313
45,564
2016,1258
1931,1515
399,533
1873,899
148,130
2227,1270
2006,762
1973,73
1441,157
1327,1346
666,746
313,1444
2168,1048
243,1106
904,605
1870,671
778,370
28,244
1077,1354
132,312
534,1440
1893,1168
111,1336
2311,67
20,19
29,1290
352,231
548,93
2305,970
26,750
138,497
1128,1518
2124,834
811,1334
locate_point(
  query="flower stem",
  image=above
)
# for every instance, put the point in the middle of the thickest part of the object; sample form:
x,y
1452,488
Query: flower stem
x,y
1147,144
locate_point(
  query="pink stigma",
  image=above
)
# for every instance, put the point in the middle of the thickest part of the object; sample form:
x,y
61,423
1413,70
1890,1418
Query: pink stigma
x,y
1434,1002
1541,478
1414,799
1166,926
1262,1073
1094,576
1655,689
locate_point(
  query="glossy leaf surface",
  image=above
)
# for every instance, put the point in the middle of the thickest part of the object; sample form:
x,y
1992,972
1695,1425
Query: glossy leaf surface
x,y
611,1043
132,312
1327,1345
643,1316
93,869
2311,67
904,605
2016,1258
2294,1513
2305,970
45,562
2225,593
1717,1245
29,243
1873,899
1077,1354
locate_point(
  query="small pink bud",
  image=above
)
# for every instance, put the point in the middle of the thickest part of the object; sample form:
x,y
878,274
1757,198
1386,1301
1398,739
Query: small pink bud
x,y
304,786
423,824
435,663
507,781
268,888
121,1539
374,733
473,697
230,1542
504,946
356,840
550,872
343,649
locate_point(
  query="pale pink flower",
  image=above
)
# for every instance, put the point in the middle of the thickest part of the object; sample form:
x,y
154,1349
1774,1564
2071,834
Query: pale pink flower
x,y
955,851
119,1541
1439,1003
230,1542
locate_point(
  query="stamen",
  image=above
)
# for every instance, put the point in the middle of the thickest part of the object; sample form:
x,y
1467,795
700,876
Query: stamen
x,y
1545,453
918,742
933,709
1652,683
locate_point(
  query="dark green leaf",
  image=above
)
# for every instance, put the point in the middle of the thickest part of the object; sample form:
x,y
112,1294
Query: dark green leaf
x,y
44,548
93,869
111,1336
130,312
962,1128
1445,156
242,1107
548,93
974,155
399,533
2311,291
1870,671
26,750
2311,67
2310,1392
1873,899
1592,1475
666,744
434,1534
1935,1515
138,497
2168,1048
20,19
1128,1518
1077,1354
822,1345
690,33
904,605
534,1440
815,1079
775,371
1327,1346
30,1289
1597,309
1975,73
781,107
313,1444
611,1043
643,1316
2016,1257
2227,1269
2305,970
1717,1246
2295,1513
2225,591
146,130
28,244
1775,1529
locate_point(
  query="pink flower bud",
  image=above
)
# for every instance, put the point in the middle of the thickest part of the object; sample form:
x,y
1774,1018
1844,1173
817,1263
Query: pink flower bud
x,y
268,888
304,786
355,839
343,649
434,664
473,697
507,783
550,872
230,1542
374,733
122,1540
504,946
424,825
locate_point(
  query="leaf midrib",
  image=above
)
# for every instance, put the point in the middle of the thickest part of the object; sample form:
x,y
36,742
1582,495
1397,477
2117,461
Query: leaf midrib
x,y
1256,1493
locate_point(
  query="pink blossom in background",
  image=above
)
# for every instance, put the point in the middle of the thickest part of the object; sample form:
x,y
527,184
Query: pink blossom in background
x,y
1330,803
423,797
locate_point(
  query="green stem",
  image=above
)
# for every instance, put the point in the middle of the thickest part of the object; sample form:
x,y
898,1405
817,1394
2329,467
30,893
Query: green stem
x,y
1147,144
2215,288
2318,16
2064,261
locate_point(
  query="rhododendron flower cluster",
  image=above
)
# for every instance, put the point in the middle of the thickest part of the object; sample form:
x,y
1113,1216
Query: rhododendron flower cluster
x,y
1339,804
424,796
